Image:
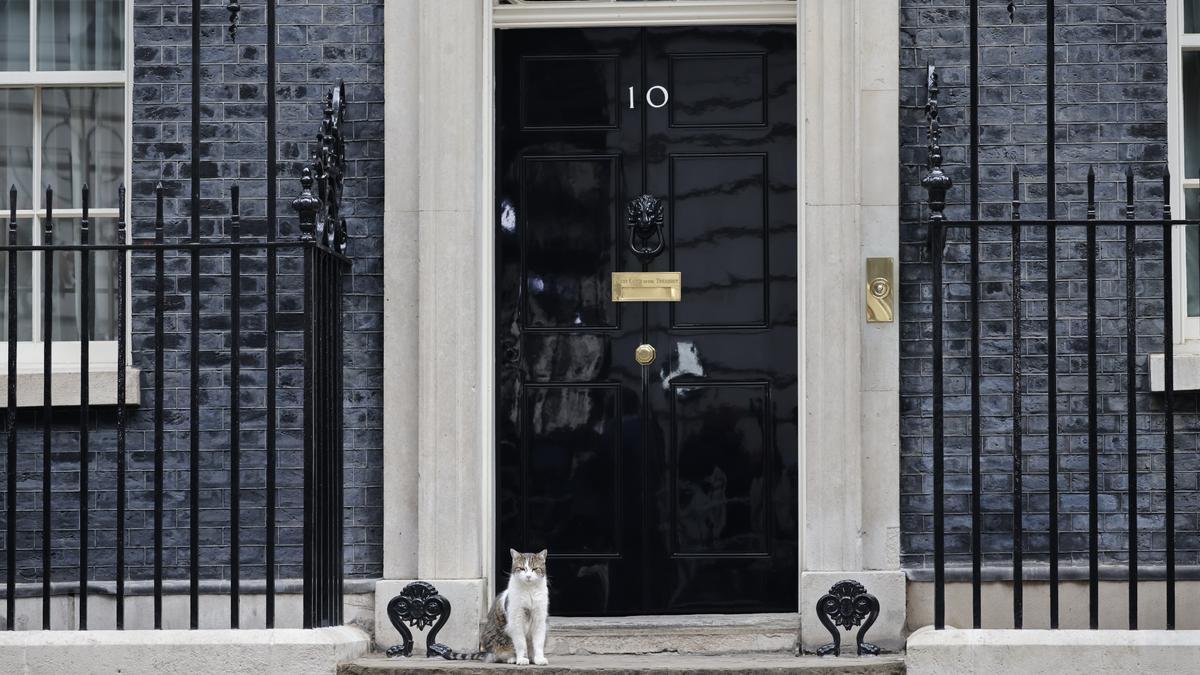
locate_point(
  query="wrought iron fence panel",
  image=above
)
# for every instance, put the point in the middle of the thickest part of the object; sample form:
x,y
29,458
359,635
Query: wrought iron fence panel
x,y
205,295
1081,304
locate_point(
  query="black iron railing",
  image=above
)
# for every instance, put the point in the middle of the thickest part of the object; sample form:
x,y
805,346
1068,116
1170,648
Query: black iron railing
x,y
1145,306
318,258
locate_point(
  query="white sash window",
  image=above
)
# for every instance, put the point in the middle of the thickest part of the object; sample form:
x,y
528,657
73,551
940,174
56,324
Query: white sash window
x,y
64,103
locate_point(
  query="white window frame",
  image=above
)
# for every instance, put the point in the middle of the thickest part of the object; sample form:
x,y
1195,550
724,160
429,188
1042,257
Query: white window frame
x,y
102,354
1187,329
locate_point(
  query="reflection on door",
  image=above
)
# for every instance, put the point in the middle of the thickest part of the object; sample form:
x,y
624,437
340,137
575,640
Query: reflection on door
x,y
671,487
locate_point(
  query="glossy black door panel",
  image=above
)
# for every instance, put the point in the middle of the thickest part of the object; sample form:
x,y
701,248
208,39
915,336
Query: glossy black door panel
x,y
673,487
721,484
573,487
570,232
726,89
718,238
569,91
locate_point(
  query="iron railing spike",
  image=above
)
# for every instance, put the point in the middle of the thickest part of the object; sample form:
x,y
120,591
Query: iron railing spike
x,y
936,182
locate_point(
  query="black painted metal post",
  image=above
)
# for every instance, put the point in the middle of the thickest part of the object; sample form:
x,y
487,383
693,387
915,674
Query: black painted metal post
x,y
324,478
976,366
1169,393
937,184
320,455
1131,449
159,387
330,442
339,464
11,472
235,410
976,439
306,206
1052,409
1017,451
272,226
939,515
329,511
194,476
1052,300
310,448
85,336
47,404
1093,395
122,288
976,360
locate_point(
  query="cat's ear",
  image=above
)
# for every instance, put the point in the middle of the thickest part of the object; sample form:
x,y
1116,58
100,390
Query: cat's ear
x,y
513,552
542,555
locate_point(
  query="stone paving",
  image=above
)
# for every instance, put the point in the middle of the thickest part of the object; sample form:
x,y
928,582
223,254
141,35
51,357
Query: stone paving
x,y
692,664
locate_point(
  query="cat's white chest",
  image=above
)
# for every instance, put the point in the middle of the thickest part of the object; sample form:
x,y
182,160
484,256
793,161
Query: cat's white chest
x,y
527,602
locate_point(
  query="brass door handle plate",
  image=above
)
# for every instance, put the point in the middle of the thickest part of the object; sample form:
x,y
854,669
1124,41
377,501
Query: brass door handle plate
x,y
644,355
881,296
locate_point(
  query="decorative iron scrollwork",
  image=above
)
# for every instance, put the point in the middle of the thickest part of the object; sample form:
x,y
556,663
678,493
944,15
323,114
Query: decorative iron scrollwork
x,y
1012,12
644,215
234,8
320,212
847,604
420,606
936,182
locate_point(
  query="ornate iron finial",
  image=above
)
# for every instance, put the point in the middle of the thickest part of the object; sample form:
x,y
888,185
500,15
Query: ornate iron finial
x,y
1012,12
419,605
936,182
320,211
644,216
233,8
306,206
847,604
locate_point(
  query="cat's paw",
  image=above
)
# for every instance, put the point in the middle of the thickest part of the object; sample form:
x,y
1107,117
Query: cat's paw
x,y
540,661
522,661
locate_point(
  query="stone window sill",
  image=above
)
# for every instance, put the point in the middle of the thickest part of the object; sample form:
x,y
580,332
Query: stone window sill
x,y
65,381
1187,371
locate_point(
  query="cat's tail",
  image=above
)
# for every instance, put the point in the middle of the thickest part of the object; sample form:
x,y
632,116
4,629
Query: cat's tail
x,y
451,655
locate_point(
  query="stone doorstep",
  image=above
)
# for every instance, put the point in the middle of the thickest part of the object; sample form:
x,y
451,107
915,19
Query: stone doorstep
x,y
693,664
294,651
720,634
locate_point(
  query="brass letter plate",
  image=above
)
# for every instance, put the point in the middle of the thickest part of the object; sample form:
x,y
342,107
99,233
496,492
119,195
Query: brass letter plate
x,y
647,286
881,297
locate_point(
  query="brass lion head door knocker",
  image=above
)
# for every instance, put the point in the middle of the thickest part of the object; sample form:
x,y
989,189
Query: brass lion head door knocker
x,y
644,216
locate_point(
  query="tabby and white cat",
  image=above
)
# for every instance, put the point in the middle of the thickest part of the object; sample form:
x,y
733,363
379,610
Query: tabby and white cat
x,y
516,625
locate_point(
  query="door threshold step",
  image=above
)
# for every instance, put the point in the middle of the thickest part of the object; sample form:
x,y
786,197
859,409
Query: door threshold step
x,y
692,664
719,634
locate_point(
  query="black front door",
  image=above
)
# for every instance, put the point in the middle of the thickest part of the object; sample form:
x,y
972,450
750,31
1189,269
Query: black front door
x,y
671,487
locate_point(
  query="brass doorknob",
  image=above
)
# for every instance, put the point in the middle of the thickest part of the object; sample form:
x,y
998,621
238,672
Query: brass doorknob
x,y
644,355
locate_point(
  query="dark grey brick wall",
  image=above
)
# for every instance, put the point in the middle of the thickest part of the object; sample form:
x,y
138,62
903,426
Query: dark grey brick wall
x,y
1111,114
320,42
